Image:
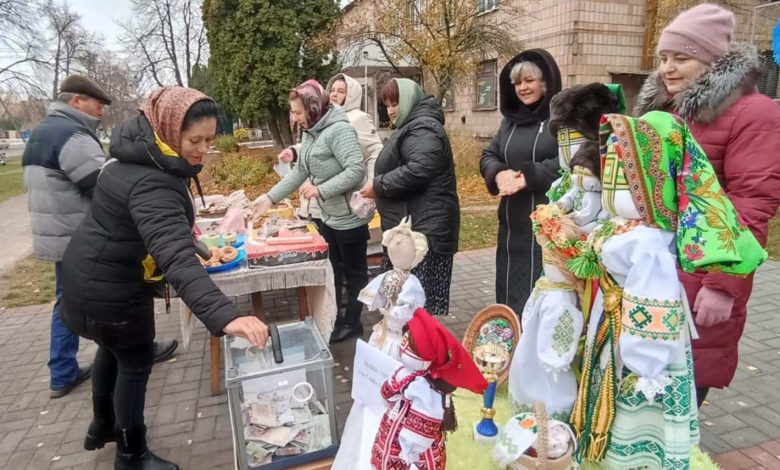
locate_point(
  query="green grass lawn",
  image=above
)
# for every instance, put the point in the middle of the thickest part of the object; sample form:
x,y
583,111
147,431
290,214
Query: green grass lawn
x,y
29,282
478,230
11,183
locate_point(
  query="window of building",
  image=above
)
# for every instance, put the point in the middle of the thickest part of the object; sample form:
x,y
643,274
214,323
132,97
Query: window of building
x,y
486,85
484,6
768,82
448,100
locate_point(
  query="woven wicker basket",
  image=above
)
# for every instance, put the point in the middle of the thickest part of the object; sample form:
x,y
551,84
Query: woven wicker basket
x,y
542,462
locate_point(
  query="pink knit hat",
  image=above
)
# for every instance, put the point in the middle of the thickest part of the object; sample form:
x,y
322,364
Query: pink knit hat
x,y
702,32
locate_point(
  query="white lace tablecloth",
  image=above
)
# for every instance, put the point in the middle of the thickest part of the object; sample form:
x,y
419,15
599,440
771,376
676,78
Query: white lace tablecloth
x,y
315,276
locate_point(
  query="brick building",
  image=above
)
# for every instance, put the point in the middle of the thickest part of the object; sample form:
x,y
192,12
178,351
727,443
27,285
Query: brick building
x,y
592,40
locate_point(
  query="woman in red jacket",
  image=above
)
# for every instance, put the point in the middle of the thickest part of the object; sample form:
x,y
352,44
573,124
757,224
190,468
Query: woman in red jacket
x,y
711,83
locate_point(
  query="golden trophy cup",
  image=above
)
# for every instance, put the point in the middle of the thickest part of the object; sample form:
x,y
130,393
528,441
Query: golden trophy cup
x,y
491,359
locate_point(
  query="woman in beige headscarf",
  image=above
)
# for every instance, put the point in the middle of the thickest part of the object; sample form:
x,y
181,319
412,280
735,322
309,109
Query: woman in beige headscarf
x,y
142,212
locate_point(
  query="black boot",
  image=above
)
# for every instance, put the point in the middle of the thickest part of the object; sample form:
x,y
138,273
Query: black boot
x,y
132,453
350,325
102,428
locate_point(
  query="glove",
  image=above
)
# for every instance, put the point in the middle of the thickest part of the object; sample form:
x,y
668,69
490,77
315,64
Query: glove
x,y
260,206
285,156
712,307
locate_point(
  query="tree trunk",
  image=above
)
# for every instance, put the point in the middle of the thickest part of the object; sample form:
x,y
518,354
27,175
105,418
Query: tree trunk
x,y
284,126
276,132
55,87
280,127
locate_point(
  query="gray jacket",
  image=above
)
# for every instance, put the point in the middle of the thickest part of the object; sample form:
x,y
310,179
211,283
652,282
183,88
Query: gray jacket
x,y
331,159
61,161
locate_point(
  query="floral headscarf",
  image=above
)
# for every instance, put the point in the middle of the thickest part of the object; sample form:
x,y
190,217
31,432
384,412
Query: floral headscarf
x,y
315,100
166,108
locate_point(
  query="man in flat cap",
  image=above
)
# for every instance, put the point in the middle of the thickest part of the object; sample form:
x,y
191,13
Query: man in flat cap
x,y
62,161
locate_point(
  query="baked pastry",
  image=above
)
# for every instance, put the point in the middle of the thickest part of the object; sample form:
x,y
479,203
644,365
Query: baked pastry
x,y
229,254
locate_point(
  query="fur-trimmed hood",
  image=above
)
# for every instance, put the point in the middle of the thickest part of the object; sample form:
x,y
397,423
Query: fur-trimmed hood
x,y
729,78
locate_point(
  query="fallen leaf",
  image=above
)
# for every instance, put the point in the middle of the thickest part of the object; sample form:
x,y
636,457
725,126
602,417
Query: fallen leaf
x,y
172,360
56,458
200,414
752,368
346,368
189,442
741,403
40,444
709,423
44,412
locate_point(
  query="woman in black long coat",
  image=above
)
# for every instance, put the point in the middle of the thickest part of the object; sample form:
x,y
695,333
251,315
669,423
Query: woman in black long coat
x,y
519,165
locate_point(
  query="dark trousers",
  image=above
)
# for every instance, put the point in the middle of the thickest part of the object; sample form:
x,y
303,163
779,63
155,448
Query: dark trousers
x,y
123,373
435,275
347,254
701,395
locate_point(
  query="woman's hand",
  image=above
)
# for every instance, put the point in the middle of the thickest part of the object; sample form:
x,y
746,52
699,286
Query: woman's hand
x,y
712,307
309,191
368,190
285,156
249,328
509,182
260,206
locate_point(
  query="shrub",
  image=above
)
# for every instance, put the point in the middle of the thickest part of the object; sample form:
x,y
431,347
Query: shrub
x,y
238,171
226,143
466,151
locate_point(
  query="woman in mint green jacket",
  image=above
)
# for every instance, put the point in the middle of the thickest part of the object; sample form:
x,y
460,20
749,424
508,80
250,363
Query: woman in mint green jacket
x,y
332,168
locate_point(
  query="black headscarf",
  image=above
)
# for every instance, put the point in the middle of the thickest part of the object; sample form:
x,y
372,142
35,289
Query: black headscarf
x,y
511,106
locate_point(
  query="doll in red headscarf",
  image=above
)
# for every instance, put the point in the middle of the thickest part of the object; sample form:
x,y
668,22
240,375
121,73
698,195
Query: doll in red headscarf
x,y
419,393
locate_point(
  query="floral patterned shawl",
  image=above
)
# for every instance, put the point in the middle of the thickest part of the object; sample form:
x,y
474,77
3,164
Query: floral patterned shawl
x,y
675,188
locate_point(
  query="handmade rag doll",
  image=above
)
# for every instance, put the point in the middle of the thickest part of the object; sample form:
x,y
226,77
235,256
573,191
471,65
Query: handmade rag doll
x,y
636,404
574,118
583,199
396,294
552,322
411,434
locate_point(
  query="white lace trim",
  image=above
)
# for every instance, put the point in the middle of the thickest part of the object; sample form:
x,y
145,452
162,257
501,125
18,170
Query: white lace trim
x,y
654,387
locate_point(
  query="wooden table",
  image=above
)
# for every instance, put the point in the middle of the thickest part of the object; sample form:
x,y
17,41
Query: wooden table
x,y
315,291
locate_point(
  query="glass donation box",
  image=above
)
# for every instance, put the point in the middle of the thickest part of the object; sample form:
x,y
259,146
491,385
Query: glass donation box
x,y
281,398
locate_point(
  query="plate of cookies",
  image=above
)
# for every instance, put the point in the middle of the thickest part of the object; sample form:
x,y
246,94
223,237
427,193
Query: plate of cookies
x,y
223,259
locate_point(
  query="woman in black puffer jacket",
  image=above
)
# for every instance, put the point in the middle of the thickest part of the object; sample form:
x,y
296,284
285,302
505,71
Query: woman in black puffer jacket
x,y
415,177
142,214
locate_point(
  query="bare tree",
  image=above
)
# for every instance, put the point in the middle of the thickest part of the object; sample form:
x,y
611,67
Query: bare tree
x,y
19,40
65,28
119,80
444,38
167,39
